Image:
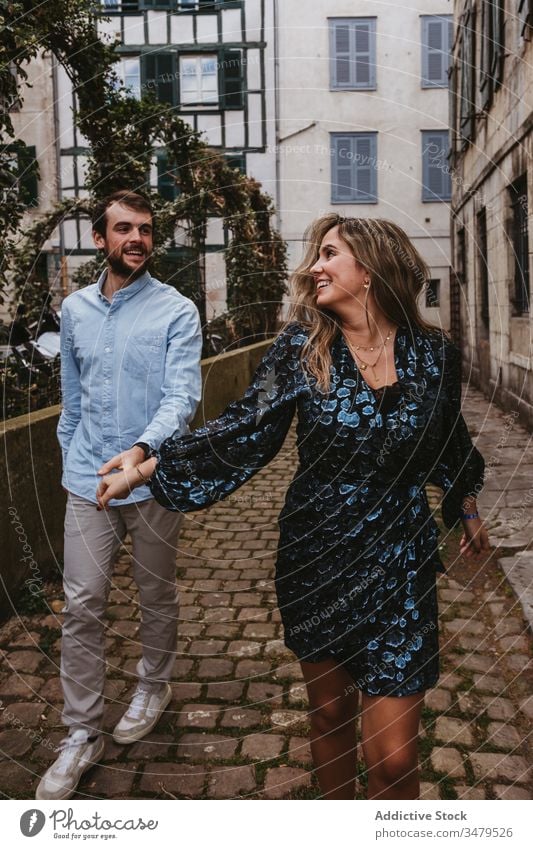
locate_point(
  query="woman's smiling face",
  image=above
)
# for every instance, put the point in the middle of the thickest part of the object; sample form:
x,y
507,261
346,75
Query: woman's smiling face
x,y
339,277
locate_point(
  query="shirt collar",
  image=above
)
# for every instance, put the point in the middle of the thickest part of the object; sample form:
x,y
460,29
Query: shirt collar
x,y
127,291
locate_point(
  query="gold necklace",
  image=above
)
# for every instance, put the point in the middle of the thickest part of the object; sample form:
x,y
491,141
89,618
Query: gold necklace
x,y
373,347
364,365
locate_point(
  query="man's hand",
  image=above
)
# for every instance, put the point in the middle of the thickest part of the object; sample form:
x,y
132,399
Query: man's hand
x,y
475,540
124,461
117,485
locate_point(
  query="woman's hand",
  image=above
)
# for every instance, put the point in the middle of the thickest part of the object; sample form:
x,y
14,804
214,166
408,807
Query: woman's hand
x,y
475,539
117,485
120,484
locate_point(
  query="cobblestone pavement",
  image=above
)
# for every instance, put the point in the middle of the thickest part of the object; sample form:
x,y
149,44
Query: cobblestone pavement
x,y
237,725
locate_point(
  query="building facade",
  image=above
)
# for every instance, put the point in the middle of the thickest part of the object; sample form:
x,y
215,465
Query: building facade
x,y
492,181
363,123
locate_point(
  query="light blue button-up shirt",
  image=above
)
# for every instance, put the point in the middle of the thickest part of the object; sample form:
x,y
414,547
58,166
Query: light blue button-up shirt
x,y
130,372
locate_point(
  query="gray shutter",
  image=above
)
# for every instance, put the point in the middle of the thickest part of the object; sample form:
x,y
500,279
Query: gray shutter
x,y
363,167
437,38
353,53
343,188
362,39
341,61
436,180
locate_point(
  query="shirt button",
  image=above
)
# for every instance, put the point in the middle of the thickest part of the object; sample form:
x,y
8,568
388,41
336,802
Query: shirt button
x,y
107,350
106,380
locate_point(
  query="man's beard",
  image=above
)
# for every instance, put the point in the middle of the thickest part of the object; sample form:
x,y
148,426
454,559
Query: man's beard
x,y
124,270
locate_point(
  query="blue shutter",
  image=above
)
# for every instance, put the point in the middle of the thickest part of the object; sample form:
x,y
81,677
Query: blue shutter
x,y
353,53
437,37
354,172
436,179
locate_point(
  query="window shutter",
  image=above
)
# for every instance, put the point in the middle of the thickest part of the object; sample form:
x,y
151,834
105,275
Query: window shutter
x,y
158,76
353,53
166,183
354,168
343,184
342,75
436,180
362,52
232,79
437,39
363,167
27,172
525,14
467,110
498,41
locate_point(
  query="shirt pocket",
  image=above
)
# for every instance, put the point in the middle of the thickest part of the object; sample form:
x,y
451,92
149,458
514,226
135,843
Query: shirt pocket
x,y
144,355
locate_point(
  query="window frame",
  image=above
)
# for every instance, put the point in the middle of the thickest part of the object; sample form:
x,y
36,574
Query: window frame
x,y
353,22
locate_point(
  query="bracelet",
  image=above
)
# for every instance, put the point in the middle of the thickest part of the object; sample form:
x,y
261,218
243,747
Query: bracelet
x,y
469,515
142,477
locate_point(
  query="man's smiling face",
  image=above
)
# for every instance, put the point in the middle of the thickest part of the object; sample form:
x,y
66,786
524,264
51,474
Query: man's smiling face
x,y
128,240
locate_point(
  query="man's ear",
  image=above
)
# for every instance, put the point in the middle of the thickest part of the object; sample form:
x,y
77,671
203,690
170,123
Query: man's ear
x,y
98,240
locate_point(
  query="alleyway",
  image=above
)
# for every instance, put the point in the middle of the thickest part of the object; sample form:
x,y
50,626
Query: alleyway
x,y
237,724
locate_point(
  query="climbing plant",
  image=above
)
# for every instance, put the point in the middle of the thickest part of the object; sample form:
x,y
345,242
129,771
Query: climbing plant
x,y
123,134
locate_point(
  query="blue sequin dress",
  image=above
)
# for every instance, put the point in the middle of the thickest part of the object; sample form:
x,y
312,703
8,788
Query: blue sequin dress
x,y
358,549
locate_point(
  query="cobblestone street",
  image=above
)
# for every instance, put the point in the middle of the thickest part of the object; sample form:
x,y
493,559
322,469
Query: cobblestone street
x,y
237,725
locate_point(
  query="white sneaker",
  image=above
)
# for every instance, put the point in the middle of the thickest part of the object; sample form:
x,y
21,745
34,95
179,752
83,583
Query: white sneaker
x,y
77,755
143,714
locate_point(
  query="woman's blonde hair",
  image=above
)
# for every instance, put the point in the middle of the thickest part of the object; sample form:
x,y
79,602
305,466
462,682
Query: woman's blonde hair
x,y
398,274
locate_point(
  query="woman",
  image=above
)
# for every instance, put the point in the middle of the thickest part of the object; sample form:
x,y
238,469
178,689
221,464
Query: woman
x,y
378,397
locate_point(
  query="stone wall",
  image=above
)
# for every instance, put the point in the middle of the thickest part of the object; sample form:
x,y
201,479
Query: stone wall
x,y
32,502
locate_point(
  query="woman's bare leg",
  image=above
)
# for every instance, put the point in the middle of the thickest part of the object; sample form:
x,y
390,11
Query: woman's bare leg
x,y
389,732
332,713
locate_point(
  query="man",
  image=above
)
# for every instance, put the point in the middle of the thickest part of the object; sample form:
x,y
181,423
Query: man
x,y
130,371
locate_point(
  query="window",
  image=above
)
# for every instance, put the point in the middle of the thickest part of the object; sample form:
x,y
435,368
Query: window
x,y
354,168
121,5
352,53
236,160
437,40
436,178
433,293
198,79
129,71
205,79
525,17
520,242
492,49
483,266
24,170
467,110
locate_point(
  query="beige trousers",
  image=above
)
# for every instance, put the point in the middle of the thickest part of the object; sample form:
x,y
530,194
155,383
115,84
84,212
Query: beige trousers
x,y
92,540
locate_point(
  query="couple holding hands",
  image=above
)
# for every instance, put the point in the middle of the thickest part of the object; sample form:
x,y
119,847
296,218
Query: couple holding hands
x,y
377,391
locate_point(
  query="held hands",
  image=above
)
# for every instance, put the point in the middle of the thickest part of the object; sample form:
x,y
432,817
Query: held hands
x,y
121,483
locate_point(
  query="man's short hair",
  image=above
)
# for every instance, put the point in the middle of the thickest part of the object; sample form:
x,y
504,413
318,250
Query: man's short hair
x,y
132,200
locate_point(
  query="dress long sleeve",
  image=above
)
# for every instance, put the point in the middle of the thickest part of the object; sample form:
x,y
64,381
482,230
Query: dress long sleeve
x,y
460,468
195,470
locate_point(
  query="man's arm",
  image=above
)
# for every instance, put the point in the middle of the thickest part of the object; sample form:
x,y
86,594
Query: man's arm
x,y
70,384
182,390
182,383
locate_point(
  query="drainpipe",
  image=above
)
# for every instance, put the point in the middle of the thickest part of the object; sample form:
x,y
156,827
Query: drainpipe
x,y
59,187
276,114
